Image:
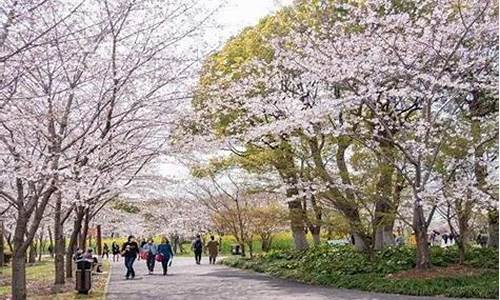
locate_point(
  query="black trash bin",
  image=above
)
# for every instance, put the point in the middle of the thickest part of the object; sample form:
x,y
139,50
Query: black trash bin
x,y
83,276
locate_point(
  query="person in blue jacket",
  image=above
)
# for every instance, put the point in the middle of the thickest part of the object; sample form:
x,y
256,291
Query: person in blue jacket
x,y
151,249
166,250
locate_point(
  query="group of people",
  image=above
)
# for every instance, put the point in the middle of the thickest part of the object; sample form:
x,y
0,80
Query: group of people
x,y
149,251
441,239
212,246
162,253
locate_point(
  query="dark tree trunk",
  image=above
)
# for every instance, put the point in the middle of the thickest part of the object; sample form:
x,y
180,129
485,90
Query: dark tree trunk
x,y
493,228
77,225
32,252
266,243
297,224
58,248
18,283
85,230
19,276
250,247
98,240
385,210
315,225
8,238
51,241
41,247
420,228
316,234
2,244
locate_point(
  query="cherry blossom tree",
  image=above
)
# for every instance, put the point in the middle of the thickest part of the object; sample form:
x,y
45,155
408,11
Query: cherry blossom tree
x,y
389,77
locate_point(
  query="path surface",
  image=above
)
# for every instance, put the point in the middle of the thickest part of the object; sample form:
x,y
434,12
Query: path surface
x,y
186,280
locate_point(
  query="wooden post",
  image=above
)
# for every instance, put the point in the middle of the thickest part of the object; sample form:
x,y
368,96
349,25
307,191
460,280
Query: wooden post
x,y
98,240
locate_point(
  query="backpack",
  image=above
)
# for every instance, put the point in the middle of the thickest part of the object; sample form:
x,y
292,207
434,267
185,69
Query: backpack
x,y
198,245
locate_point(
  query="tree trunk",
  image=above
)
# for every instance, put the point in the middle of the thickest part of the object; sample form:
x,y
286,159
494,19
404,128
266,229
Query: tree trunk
x,y
493,228
297,224
359,242
84,231
8,238
77,225
98,240
32,252
316,234
420,228
250,248
266,242
315,226
385,210
51,241
40,245
18,282
2,245
384,236
58,248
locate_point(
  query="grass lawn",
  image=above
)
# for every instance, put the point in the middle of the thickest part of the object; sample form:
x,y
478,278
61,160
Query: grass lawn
x,y
40,278
388,271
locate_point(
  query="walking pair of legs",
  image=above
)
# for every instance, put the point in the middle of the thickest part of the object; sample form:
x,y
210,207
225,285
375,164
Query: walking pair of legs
x,y
129,264
212,258
197,257
151,263
164,265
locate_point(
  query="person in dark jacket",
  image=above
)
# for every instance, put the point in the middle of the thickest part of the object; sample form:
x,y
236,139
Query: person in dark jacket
x,y
105,251
130,250
116,251
197,249
166,251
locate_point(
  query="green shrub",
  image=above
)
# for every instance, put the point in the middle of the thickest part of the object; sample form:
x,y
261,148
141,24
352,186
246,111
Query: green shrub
x,y
344,267
394,259
482,258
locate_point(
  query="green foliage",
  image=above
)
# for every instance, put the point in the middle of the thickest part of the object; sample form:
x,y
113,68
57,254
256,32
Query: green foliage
x,y
344,267
482,258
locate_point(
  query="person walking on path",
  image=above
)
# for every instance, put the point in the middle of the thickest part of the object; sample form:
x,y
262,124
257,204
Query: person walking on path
x,y
105,251
115,249
130,250
197,249
213,249
141,250
165,250
151,250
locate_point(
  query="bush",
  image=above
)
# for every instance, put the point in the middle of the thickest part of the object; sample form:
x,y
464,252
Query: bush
x,y
339,260
344,267
486,258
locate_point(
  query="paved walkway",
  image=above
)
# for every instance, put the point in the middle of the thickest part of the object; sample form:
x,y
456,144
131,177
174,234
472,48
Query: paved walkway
x,y
186,280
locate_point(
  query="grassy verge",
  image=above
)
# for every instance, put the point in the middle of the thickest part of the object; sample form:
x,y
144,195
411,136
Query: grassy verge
x,y
386,272
40,278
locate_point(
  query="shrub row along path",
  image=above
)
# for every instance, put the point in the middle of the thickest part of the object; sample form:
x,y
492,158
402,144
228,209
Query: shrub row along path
x,y
186,281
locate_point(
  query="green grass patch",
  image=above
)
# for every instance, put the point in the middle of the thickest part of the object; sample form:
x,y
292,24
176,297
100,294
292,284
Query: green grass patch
x,y
40,279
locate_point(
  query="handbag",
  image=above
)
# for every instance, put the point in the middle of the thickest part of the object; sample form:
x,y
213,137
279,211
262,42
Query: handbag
x,y
159,257
144,255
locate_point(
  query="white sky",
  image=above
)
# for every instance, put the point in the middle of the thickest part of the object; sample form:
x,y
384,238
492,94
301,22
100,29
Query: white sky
x,y
238,14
